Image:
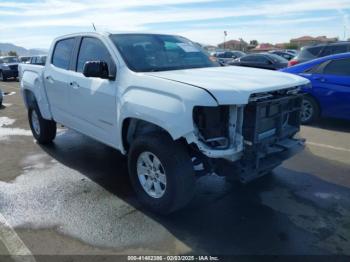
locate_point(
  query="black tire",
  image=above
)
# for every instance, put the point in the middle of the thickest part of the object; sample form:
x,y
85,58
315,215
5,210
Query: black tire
x,y
177,164
47,131
2,77
310,110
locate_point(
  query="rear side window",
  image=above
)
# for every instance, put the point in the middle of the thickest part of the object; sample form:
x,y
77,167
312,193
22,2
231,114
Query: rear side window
x,y
92,49
309,52
249,58
63,53
261,59
334,49
339,67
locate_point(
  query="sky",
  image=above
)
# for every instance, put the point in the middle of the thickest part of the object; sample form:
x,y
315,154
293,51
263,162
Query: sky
x,y
35,23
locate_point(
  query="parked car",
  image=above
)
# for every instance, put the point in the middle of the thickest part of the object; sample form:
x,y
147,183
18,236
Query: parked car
x,y
330,92
161,101
8,67
38,60
225,57
285,55
24,59
291,51
308,53
1,97
261,60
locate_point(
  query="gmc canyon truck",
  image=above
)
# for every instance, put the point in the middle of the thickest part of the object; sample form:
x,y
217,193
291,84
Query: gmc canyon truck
x,y
161,101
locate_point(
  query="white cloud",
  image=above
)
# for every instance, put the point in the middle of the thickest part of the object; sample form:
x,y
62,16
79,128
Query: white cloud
x,y
59,16
346,23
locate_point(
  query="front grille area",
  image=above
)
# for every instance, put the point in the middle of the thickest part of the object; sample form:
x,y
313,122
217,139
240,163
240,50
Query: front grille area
x,y
272,119
14,67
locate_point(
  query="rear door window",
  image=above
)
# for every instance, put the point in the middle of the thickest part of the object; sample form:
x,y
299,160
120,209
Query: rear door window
x,y
339,67
63,53
334,49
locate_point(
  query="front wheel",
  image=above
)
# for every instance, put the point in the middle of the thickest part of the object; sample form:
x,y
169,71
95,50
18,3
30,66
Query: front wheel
x,y
44,131
2,77
161,173
310,110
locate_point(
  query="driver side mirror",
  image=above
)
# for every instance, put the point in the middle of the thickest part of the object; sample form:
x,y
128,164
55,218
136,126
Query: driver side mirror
x,y
98,69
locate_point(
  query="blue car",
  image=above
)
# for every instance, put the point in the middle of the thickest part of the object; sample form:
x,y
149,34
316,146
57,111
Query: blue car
x,y
330,92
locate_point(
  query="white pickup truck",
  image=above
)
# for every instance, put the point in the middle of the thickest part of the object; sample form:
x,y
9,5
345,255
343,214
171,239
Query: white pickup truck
x,y
161,101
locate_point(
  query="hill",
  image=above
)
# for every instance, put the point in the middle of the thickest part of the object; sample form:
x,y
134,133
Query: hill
x,y
21,51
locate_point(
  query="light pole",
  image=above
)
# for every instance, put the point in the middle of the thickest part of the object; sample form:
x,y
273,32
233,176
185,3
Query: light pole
x,y
225,34
345,31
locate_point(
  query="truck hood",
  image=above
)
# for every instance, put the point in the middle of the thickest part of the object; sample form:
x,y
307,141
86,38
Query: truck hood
x,y
10,64
233,84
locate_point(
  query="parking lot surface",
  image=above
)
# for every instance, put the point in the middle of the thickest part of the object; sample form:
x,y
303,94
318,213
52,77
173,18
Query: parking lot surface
x,y
74,197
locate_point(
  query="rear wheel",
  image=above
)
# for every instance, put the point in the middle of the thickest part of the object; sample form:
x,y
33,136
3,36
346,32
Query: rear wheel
x,y
44,131
310,110
161,173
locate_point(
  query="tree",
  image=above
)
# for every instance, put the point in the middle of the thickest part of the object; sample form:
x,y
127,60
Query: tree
x,y
254,42
12,53
291,46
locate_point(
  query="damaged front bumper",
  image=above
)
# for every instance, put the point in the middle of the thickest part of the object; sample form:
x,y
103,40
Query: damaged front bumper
x,y
261,136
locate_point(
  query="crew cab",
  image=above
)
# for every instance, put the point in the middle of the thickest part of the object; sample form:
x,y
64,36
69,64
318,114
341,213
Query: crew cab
x,y
37,60
163,103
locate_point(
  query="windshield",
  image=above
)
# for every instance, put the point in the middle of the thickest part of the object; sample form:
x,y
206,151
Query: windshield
x,y
277,58
150,53
9,60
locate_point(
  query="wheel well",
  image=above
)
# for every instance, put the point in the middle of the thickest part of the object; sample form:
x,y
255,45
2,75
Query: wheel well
x,y
133,127
317,103
29,98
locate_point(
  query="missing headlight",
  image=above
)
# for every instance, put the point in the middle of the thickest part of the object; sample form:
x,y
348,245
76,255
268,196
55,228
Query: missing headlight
x,y
213,125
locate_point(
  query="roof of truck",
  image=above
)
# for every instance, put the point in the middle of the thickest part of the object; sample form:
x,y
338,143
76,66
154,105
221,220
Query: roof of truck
x,y
104,33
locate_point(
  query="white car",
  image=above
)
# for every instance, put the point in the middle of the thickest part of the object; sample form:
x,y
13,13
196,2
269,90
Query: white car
x,y
161,101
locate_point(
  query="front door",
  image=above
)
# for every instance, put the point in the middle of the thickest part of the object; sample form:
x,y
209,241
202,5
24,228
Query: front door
x,y
92,101
334,88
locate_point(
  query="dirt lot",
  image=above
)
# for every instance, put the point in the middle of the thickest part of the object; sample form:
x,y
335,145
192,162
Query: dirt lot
x,y
74,197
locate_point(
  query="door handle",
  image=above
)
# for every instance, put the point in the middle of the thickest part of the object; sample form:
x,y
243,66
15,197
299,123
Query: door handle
x,y
50,79
74,84
321,79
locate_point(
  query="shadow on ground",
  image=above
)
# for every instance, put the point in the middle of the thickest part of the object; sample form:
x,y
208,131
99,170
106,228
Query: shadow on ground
x,y
264,217
333,124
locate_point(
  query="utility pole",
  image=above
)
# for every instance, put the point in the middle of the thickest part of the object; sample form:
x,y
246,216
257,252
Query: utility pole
x,y
225,34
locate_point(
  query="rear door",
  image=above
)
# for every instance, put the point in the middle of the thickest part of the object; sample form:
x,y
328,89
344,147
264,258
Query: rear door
x,y
92,101
57,77
332,86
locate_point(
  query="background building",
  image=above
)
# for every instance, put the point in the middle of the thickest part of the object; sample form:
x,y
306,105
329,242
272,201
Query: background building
x,y
309,40
234,45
